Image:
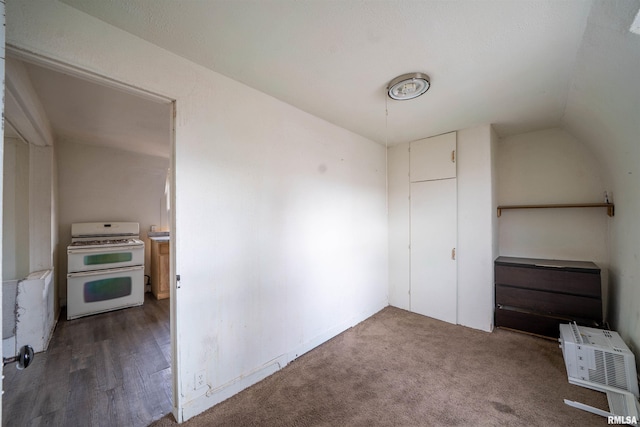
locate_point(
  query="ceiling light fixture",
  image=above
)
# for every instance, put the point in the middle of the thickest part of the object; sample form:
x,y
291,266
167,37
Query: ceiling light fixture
x,y
408,86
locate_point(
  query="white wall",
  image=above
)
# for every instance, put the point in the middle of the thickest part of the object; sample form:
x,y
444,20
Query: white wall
x,y
34,192
2,56
551,166
15,225
280,217
41,181
98,184
289,238
476,237
55,237
495,179
603,112
399,226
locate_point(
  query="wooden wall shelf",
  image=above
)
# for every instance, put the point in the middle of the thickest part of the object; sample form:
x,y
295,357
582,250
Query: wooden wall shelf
x,y
609,206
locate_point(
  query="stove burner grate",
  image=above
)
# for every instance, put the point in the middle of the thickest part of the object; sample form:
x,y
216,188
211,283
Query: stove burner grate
x,y
103,242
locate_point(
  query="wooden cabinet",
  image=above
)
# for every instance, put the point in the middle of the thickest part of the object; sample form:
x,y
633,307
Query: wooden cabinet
x,y
536,295
160,268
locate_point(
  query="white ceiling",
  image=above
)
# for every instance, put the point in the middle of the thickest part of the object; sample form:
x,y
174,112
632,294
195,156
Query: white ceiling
x,y
509,63
89,113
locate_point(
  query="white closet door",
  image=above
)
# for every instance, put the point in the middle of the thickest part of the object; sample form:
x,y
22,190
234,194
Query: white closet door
x,y
433,158
433,239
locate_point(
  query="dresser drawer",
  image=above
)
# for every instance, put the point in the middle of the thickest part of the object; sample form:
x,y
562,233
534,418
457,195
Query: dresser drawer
x,y
550,279
549,302
535,323
529,322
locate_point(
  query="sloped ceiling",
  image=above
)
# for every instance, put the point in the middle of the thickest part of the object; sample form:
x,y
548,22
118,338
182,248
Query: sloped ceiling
x,y
509,63
90,113
85,112
603,104
603,111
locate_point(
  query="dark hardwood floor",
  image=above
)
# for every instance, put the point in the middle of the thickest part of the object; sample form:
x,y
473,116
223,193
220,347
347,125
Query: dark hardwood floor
x,y
109,369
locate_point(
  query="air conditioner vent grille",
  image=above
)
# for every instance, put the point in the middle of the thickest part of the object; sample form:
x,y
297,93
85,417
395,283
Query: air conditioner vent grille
x,y
610,370
598,375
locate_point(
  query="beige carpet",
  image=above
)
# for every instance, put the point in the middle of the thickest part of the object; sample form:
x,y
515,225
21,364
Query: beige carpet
x,y
402,369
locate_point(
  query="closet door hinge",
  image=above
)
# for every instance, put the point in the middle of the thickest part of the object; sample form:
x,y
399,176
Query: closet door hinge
x,y
453,156
453,254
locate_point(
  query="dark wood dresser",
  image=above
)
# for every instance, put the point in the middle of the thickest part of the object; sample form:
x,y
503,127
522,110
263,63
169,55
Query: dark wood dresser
x,y
536,295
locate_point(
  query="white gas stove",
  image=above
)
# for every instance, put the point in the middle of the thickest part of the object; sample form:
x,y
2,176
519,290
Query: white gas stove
x,y
105,268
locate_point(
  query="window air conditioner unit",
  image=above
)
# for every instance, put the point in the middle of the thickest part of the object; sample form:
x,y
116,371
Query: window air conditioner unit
x,y
595,358
600,360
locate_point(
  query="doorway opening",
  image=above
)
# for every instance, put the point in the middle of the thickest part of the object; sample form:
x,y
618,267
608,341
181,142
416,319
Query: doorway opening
x,y
84,148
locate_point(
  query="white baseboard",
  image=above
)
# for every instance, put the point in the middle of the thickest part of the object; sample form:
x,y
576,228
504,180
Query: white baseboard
x,y
327,335
212,397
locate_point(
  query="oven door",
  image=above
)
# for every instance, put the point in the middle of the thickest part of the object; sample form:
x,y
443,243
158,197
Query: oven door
x,y
87,258
104,290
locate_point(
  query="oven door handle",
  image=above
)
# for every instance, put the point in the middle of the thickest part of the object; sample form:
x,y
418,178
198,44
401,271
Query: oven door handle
x,y
105,271
103,249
